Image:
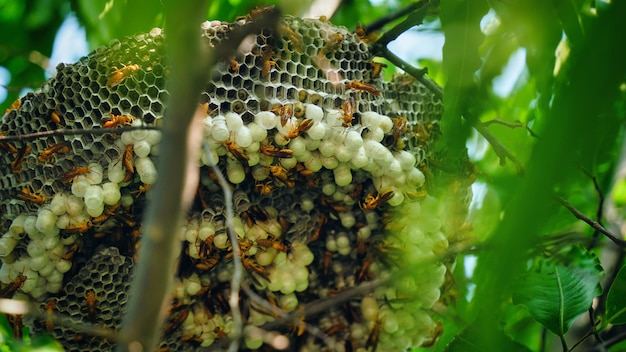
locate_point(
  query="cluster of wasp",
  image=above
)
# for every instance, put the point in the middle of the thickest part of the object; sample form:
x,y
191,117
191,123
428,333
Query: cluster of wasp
x,y
299,127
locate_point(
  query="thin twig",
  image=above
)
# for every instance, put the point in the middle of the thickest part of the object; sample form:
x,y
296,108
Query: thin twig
x,y
619,337
379,47
504,123
594,224
599,211
313,330
416,73
382,21
415,19
498,147
235,282
323,304
70,132
587,335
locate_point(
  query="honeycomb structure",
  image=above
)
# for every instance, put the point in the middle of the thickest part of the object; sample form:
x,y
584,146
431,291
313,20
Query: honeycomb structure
x,y
327,164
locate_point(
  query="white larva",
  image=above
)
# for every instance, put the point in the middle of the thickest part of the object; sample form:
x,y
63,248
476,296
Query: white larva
x,y
369,308
17,225
30,225
35,249
153,137
342,240
314,163
375,134
359,158
343,175
115,172
38,263
243,137
253,147
258,132
79,186
370,119
314,112
288,163
55,277
353,140
235,172
397,199
111,193
415,178
266,119
329,189
94,197
206,230
304,156
342,153
146,170
288,283
334,118
57,205
138,135
31,283
327,148
303,255
407,159
385,123
288,302
63,221
220,132
329,162
50,242
260,173
233,121
94,176
347,219
312,144
394,169
74,205
317,131
211,159
255,158
142,148
46,220
95,211
127,138
298,146
8,241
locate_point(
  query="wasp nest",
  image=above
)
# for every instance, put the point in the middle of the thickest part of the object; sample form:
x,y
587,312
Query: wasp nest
x,y
326,160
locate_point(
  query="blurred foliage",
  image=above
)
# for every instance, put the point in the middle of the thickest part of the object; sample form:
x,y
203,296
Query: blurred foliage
x,y
558,132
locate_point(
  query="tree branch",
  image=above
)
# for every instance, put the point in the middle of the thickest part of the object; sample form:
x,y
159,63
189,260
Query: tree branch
x,y
498,147
418,12
594,224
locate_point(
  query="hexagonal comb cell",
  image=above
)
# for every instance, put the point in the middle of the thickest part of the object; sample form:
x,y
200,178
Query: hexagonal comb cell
x,y
318,151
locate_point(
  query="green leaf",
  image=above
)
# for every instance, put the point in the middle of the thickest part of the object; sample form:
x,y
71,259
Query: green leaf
x,y
556,293
469,341
616,304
